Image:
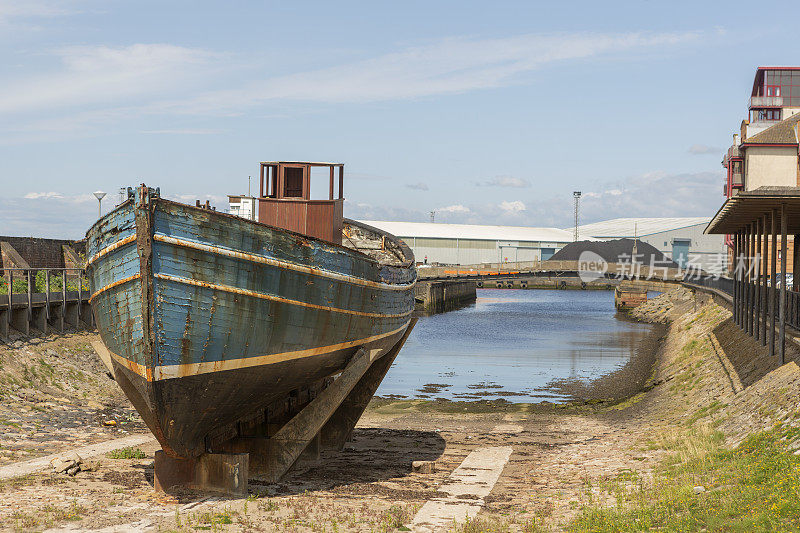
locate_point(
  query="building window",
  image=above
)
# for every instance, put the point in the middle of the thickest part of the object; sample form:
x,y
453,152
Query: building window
x,y
773,90
769,114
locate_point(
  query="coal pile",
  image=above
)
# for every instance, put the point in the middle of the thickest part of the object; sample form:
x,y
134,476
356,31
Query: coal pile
x,y
617,251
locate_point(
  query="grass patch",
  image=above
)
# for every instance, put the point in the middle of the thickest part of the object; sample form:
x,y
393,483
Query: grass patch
x,y
753,487
127,453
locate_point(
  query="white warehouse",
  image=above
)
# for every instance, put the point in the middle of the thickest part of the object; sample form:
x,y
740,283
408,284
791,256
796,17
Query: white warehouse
x,y
467,244
680,239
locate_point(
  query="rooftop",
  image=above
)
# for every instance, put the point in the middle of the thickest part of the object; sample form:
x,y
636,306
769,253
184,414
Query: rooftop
x,y
641,227
471,231
784,132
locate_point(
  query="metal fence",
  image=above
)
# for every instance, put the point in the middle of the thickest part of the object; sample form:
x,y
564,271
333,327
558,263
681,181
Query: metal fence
x,y
725,285
42,287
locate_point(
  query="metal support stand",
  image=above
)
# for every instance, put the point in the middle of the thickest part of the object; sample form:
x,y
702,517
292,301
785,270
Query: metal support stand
x,y
222,472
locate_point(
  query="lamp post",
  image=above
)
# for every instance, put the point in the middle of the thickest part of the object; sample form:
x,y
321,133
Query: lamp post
x,y
576,195
99,195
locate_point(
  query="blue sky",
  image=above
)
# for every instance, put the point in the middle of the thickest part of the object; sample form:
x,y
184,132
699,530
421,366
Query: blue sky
x,y
485,112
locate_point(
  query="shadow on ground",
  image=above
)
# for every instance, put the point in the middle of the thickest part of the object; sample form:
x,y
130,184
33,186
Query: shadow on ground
x,y
374,455
749,358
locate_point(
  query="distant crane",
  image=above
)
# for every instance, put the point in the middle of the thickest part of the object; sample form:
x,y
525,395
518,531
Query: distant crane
x,y
433,216
576,196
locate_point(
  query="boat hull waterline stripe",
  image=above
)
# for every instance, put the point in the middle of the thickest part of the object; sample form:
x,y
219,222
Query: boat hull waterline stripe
x,y
191,369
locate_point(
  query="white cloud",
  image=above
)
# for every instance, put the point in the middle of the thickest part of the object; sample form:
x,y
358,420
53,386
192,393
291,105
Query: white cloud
x,y
186,131
512,207
421,186
654,194
95,87
43,195
506,181
458,208
450,66
103,75
702,149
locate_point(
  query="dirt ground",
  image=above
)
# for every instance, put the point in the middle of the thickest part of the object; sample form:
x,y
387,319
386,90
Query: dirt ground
x,y
559,452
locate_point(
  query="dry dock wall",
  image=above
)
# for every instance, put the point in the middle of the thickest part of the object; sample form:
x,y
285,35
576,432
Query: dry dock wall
x,y
439,296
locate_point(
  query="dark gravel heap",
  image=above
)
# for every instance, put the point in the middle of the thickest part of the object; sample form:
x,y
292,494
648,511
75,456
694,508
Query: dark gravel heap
x,y
612,251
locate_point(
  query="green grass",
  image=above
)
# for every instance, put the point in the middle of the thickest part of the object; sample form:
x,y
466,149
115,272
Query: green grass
x,y
127,453
753,487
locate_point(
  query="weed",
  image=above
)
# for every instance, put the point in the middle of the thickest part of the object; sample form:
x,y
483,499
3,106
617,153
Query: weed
x,y
127,453
754,487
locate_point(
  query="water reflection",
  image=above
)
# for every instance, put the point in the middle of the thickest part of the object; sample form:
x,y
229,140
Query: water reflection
x,y
511,344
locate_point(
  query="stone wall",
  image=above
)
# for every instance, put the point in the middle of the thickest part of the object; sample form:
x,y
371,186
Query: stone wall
x,y
43,253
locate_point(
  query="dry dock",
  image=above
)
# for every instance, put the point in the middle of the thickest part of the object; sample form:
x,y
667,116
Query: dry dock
x,y
544,467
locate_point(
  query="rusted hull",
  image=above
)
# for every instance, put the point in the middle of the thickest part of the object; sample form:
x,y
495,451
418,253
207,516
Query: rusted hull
x,y
211,318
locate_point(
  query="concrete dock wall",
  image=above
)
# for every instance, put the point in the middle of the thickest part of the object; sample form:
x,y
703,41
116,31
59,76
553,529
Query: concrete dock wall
x,y
439,296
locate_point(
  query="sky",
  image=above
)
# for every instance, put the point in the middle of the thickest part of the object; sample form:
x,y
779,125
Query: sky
x,y
484,112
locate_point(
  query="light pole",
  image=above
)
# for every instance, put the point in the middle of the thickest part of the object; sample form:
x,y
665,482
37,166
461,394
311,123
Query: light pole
x,y
99,195
576,195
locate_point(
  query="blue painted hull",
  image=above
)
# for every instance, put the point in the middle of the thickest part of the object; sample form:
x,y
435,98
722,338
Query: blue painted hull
x,y
209,317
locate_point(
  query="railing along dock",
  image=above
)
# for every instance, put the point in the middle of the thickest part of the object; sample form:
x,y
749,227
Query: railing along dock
x,y
44,298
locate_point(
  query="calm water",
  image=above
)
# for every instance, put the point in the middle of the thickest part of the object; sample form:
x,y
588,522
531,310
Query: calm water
x,y
512,344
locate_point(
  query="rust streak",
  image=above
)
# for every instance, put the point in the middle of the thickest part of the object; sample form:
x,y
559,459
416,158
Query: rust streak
x,y
115,284
280,264
111,248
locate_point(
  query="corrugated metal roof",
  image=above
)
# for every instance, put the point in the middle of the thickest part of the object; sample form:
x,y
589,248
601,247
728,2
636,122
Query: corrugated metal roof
x,y
626,227
471,231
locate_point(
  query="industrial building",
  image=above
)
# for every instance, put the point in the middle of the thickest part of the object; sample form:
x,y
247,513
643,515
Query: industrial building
x,y
680,239
467,244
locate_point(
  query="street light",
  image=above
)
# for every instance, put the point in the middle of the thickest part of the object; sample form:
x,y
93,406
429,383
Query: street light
x,y
99,195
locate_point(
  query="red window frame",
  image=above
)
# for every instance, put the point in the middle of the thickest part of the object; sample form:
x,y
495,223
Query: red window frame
x,y
774,89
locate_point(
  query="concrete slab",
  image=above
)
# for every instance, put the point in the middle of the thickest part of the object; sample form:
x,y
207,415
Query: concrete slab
x,y
467,486
43,463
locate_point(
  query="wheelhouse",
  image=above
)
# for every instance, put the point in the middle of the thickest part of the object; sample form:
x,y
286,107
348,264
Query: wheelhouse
x,y
285,198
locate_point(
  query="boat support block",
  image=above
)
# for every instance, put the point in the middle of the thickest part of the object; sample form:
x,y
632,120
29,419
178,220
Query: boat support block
x,y
327,421
220,472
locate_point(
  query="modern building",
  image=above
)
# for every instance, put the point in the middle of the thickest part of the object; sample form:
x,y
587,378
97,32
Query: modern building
x,y
680,239
242,206
467,244
764,152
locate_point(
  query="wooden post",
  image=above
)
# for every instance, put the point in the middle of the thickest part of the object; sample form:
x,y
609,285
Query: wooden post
x,y
261,181
772,267
757,284
330,196
784,260
748,315
63,298
80,296
740,278
764,301
30,295
737,247
47,294
10,295
341,183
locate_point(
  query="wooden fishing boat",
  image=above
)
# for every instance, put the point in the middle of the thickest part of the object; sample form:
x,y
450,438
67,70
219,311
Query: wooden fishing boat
x,y
216,325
